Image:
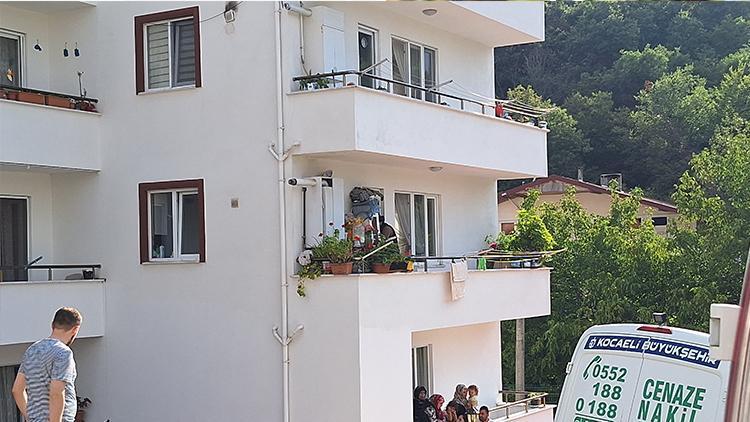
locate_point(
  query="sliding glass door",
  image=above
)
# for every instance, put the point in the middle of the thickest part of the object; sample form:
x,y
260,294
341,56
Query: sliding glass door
x,y
13,238
414,64
417,223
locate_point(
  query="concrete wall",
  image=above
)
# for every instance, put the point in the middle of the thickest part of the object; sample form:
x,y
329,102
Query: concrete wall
x,y
465,355
53,26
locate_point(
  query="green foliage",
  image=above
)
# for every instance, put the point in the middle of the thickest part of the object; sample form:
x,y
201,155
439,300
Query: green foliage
x,y
334,249
531,233
565,141
387,255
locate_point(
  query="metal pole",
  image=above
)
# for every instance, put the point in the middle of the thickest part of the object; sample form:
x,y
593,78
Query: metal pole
x,y
520,355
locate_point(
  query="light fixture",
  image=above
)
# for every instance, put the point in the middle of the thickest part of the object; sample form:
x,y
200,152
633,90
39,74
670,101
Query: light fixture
x,y
429,12
37,47
76,51
435,169
65,50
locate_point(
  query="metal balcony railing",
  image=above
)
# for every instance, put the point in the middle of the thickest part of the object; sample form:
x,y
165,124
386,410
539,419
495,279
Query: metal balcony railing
x,y
88,270
500,108
528,400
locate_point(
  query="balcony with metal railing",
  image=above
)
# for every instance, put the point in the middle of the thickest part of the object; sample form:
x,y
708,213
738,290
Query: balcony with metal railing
x,y
362,117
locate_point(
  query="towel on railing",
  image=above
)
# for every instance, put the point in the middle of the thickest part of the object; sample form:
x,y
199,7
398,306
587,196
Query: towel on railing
x,y
459,274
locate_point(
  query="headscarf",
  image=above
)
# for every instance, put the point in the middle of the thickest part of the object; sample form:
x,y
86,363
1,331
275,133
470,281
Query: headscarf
x,y
460,397
437,401
420,405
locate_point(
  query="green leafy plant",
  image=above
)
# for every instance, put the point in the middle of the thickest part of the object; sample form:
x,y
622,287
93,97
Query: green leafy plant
x,y
388,255
333,249
531,233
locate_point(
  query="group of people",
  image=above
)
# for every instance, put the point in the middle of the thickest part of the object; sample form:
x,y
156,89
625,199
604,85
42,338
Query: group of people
x,y
465,403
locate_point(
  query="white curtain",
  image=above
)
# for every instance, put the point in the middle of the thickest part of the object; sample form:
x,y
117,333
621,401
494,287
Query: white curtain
x,y
400,65
403,222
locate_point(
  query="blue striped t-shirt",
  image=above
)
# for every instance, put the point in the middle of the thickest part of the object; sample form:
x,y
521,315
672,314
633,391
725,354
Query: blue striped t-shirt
x,y
46,360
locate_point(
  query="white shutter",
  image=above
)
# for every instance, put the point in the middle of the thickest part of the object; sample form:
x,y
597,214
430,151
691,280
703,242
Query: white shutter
x,y
157,44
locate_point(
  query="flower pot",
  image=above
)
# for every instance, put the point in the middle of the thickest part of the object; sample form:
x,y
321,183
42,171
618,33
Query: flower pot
x,y
30,97
11,95
381,268
55,101
340,269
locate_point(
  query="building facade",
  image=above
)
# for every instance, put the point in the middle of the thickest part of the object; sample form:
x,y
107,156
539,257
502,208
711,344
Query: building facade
x,y
157,194
596,199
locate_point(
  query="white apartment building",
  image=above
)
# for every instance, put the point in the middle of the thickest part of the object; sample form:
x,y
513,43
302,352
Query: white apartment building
x,y
172,194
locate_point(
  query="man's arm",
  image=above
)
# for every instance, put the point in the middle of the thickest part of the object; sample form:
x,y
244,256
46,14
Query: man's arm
x,y
19,393
56,400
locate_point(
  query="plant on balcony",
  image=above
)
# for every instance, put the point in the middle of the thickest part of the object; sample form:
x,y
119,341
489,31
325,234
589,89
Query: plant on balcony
x,y
530,234
330,248
381,260
83,403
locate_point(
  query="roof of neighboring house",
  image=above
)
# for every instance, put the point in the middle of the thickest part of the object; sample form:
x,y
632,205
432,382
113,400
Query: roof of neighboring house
x,y
519,191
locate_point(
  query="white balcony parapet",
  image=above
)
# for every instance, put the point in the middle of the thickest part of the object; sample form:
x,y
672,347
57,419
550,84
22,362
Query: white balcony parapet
x,y
34,135
27,308
367,125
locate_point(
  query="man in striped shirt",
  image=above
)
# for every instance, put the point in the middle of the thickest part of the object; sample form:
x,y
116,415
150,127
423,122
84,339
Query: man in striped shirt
x,y
44,389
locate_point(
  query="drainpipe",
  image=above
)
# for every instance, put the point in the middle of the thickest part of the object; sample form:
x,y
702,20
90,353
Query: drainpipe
x,y
277,151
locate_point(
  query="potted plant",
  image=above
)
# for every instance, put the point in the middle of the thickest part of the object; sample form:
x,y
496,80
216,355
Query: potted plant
x,y
83,403
338,252
381,260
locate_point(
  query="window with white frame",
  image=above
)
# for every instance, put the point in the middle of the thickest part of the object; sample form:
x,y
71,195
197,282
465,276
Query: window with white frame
x,y
415,64
168,50
421,364
417,223
172,221
11,57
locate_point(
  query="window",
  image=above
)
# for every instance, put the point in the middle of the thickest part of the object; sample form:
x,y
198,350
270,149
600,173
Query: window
x,y
172,222
659,221
417,223
421,364
167,50
414,64
507,228
367,54
11,57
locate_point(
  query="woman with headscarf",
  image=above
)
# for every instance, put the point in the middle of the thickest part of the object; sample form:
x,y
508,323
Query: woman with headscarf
x,y
421,405
459,400
437,402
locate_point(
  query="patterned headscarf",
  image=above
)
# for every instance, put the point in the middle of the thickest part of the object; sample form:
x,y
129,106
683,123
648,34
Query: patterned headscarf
x,y
460,397
437,400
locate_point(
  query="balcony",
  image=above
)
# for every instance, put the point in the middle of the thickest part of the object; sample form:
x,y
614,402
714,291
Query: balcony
x,y
27,307
359,331
42,129
335,116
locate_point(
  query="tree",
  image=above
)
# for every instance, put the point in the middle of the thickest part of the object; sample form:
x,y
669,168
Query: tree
x,y
566,145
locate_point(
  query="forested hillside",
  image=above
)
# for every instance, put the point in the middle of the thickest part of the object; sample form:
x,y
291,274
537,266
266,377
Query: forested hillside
x,y
643,85
659,91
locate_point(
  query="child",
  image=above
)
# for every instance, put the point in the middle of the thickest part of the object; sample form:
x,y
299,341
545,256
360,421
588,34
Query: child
x,y
473,399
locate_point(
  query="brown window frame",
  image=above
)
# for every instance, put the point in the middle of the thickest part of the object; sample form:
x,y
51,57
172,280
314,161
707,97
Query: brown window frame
x,y
143,192
140,23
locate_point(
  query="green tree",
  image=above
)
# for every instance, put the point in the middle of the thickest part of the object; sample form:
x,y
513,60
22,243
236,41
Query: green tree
x,y
565,142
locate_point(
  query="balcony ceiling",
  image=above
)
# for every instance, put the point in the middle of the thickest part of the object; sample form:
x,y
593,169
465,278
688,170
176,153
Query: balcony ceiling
x,y
47,6
493,24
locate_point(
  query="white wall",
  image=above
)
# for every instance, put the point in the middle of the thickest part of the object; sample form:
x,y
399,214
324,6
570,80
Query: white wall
x,y
467,210
465,355
467,62
38,188
49,69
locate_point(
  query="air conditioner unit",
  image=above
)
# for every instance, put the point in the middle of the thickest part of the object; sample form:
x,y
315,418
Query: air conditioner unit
x,y
324,208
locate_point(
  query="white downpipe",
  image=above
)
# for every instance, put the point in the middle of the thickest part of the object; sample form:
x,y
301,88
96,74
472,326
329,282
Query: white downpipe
x,y
279,153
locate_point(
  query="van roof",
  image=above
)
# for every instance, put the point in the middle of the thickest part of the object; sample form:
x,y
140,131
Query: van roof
x,y
678,334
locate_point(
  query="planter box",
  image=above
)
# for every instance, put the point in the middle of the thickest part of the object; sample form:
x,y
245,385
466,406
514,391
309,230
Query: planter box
x,y
55,101
29,97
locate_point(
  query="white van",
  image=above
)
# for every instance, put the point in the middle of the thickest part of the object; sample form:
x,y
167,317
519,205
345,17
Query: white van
x,y
649,373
